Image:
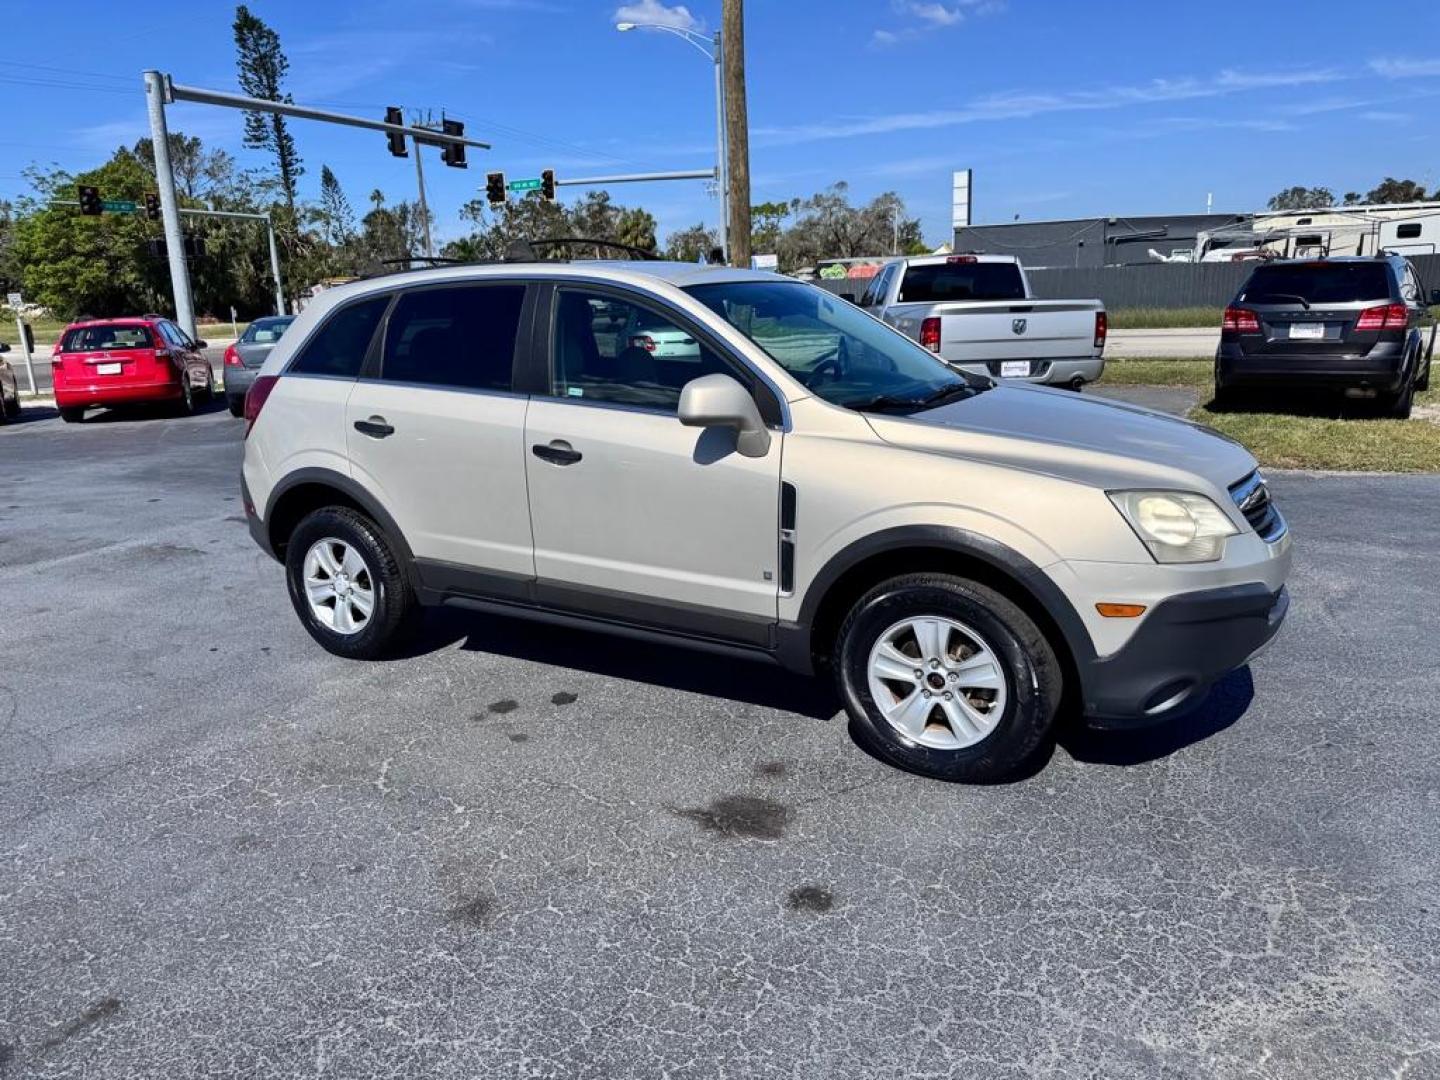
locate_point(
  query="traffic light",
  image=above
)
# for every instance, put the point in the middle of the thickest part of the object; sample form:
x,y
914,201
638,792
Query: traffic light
x,y
495,188
453,154
195,247
90,201
156,248
547,185
393,115
152,206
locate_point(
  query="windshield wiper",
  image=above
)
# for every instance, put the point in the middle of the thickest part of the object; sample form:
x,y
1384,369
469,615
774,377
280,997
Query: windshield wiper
x,y
1290,296
894,401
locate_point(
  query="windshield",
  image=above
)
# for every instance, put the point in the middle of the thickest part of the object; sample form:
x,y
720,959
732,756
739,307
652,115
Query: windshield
x,y
936,283
834,348
1318,283
265,331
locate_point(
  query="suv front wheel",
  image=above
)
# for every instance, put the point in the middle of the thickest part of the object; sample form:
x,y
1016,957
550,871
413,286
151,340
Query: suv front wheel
x,y
347,585
947,678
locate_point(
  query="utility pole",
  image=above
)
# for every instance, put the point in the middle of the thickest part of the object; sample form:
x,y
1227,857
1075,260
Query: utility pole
x,y
155,93
737,132
420,180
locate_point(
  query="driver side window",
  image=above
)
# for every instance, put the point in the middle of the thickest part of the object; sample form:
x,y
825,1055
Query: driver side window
x,y
611,350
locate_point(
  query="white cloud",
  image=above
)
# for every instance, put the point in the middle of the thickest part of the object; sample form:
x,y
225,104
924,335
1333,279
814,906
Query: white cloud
x,y
1399,67
935,14
1017,105
1381,116
884,38
653,11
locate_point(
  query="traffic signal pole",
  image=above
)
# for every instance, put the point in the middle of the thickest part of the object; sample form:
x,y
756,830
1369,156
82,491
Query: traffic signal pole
x,y
160,91
169,203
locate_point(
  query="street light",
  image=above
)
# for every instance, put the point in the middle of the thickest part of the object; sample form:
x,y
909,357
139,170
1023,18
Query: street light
x,y
715,55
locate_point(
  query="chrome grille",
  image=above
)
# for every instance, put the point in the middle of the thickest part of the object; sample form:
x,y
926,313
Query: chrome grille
x,y
1253,498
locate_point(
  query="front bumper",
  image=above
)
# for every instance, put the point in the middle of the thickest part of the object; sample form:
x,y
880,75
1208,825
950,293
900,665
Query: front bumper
x,y
1185,644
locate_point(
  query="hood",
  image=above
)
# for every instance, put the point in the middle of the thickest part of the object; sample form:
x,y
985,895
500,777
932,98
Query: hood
x,y
1091,440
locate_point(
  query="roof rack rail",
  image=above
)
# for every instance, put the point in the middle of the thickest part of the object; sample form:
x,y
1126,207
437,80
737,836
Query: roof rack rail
x,y
526,250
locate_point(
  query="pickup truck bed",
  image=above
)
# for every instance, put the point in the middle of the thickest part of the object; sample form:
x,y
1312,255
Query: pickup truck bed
x,y
998,328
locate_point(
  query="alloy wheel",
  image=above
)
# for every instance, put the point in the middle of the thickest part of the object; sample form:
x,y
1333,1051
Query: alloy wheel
x,y
937,682
338,586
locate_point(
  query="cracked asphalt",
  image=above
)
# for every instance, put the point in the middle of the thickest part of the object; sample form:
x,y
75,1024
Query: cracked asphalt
x,y
526,852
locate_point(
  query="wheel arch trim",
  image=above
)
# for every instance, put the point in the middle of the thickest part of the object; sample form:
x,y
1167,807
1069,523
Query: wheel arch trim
x,y
998,557
321,477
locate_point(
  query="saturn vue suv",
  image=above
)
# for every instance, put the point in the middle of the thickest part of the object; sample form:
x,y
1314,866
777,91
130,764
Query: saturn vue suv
x,y
805,486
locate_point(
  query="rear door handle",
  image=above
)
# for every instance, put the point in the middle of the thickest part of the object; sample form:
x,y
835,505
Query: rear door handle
x,y
375,427
557,452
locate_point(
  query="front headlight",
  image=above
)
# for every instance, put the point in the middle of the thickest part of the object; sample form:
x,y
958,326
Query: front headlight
x,y
1177,526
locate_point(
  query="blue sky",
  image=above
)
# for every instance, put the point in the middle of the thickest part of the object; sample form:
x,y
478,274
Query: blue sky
x,y
1062,108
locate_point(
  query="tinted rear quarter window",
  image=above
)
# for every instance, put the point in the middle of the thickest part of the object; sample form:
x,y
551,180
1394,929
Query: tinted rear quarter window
x,y
338,347
92,338
941,282
459,336
1318,283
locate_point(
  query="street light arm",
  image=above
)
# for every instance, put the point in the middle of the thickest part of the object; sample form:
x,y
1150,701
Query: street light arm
x,y
699,41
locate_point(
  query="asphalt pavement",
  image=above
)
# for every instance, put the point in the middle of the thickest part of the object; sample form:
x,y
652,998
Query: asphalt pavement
x,y
524,851
1162,343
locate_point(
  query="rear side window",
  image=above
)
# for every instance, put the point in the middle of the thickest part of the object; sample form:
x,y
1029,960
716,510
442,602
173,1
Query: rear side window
x,y
941,282
338,348
95,338
1318,283
461,336
1408,232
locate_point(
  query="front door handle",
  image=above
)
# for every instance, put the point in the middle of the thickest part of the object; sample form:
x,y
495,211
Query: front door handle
x,y
375,427
557,452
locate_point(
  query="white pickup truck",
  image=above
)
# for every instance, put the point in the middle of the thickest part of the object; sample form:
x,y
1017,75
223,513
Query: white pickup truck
x,y
977,312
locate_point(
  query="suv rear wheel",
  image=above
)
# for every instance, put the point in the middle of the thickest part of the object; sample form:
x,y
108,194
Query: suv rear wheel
x,y
347,585
1397,406
947,678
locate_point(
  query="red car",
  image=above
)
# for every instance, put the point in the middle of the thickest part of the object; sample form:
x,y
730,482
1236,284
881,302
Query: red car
x,y
128,361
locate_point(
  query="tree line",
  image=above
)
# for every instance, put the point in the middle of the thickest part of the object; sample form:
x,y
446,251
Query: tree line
x,y
1388,192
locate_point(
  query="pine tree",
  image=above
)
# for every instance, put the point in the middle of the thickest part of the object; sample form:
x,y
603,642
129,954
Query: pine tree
x,y
335,209
262,68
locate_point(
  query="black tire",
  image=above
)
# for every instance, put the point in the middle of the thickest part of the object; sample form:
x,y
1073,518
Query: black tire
x,y
237,406
1225,397
185,406
72,414
1032,672
1397,406
396,613
1423,383
12,407
207,393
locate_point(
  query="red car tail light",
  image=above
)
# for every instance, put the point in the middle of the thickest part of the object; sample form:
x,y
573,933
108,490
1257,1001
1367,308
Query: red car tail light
x,y
930,333
1102,328
1241,320
643,341
256,397
962,259
1384,317
232,358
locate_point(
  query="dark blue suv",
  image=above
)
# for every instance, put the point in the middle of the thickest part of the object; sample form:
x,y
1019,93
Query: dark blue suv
x,y
1349,324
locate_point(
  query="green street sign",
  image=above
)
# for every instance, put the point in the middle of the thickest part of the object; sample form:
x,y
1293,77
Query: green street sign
x,y
120,206
524,185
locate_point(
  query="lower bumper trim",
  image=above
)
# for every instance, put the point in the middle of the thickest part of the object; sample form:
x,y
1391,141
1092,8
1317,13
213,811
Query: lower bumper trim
x,y
1185,644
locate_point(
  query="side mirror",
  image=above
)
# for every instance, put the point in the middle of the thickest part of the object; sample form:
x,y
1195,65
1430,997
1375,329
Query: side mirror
x,y
200,343
4,347
720,401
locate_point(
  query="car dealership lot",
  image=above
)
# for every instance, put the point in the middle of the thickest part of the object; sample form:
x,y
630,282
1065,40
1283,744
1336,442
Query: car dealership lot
x,y
535,852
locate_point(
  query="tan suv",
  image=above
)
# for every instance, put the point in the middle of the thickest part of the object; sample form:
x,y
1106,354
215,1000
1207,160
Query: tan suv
x,y
804,485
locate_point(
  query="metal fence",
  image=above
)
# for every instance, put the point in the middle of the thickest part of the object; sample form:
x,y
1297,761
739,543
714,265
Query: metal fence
x,y
1161,285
